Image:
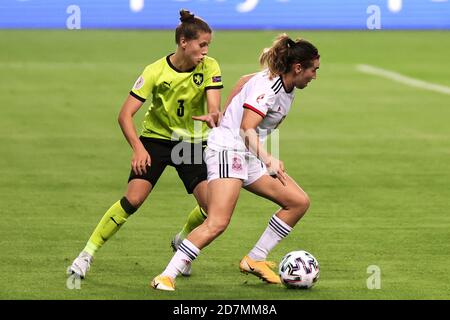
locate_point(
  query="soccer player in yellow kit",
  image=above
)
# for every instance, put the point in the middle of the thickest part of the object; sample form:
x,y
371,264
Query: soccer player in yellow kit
x,y
180,86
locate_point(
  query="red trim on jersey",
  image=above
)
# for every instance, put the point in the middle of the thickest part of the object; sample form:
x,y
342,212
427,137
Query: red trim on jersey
x,y
247,106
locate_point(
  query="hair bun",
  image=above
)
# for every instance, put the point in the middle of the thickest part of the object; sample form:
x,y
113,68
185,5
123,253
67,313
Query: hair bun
x,y
186,16
290,43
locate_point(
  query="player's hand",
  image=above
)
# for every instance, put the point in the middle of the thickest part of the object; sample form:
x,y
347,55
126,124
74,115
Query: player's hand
x,y
276,169
140,161
212,119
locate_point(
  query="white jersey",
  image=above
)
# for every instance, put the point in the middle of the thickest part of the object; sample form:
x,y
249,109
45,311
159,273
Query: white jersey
x,y
267,97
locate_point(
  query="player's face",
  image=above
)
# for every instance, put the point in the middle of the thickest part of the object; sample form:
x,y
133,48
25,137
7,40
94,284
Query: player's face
x,y
305,76
196,49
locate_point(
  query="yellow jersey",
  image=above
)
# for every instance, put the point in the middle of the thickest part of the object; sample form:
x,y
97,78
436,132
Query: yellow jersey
x,y
176,96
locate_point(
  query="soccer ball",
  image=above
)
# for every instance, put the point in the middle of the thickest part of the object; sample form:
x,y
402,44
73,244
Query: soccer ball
x,y
299,270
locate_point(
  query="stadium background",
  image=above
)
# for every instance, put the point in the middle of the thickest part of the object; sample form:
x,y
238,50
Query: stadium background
x,y
371,148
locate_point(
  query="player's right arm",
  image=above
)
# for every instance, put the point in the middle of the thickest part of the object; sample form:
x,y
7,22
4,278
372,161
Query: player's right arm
x,y
256,106
141,159
250,121
139,93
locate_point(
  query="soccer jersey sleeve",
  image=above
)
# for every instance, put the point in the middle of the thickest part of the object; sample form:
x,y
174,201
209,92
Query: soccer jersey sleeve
x,y
213,75
142,88
259,100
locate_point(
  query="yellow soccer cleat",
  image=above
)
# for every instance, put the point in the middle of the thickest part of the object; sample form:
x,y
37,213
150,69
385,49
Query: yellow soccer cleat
x,y
163,283
261,269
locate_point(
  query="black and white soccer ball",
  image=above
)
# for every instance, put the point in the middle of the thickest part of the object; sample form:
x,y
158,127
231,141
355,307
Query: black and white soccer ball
x,y
299,270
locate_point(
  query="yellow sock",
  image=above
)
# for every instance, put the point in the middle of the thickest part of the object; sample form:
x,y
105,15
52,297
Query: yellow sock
x,y
195,218
113,219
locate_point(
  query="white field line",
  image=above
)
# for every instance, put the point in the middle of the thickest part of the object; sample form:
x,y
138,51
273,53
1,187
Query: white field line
x,y
412,82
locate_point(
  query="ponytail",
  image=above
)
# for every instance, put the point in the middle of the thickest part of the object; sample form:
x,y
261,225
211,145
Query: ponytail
x,y
285,52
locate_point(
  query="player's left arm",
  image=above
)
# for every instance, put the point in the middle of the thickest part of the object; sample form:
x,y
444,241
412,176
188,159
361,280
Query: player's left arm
x,y
213,99
213,86
214,115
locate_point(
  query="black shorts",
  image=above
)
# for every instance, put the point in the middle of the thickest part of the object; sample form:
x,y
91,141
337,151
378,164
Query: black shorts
x,y
186,158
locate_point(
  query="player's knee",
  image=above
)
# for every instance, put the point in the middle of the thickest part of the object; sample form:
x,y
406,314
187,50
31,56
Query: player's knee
x,y
217,227
137,191
133,202
299,203
303,203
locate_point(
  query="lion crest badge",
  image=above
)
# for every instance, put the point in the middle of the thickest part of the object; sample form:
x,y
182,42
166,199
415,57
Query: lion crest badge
x,y
198,79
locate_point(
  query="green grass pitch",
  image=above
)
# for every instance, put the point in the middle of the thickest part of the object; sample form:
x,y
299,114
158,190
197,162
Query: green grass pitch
x,y
373,154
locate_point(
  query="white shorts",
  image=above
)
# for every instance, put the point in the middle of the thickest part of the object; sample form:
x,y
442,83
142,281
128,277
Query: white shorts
x,y
234,164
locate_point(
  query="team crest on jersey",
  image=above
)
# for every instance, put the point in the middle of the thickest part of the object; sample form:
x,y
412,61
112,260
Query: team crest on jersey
x,y
139,83
198,79
236,164
260,97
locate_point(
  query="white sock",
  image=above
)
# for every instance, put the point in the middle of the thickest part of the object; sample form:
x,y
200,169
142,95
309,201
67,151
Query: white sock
x,y
186,253
275,231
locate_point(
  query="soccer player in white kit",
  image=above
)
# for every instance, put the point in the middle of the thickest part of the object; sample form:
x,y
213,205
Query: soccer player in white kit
x,y
236,158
